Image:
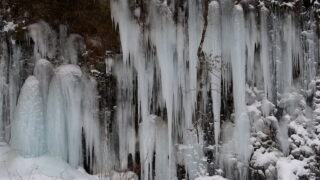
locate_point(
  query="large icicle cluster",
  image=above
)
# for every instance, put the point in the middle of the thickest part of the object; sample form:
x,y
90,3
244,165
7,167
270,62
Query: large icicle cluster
x,y
56,110
183,61
202,88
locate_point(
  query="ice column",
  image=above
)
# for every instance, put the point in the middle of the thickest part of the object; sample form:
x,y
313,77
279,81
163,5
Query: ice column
x,y
3,85
212,46
64,114
238,58
287,54
147,146
28,127
125,113
264,54
91,125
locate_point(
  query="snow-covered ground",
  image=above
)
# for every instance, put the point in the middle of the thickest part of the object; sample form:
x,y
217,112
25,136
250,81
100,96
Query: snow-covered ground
x,y
15,167
210,178
46,167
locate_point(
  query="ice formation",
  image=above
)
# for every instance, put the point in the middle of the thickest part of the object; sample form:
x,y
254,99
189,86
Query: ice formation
x,y
187,66
28,127
201,90
50,113
71,111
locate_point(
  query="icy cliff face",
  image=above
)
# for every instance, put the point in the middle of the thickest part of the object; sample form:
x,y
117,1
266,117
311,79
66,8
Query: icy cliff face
x,y
201,88
189,56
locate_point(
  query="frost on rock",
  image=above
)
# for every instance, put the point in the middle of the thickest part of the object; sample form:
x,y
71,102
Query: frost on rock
x,y
28,127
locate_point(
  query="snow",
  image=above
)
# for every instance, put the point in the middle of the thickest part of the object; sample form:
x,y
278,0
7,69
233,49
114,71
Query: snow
x,y
263,158
9,26
290,169
216,177
44,167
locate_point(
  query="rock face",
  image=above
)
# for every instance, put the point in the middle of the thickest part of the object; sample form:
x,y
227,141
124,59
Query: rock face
x,y
169,89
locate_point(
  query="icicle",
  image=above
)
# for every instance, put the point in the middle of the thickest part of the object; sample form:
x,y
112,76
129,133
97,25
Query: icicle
x,y
14,86
251,41
242,123
125,111
164,38
28,127
44,39
91,124
147,146
161,153
74,45
226,23
3,87
287,55
64,124
195,27
264,55
212,47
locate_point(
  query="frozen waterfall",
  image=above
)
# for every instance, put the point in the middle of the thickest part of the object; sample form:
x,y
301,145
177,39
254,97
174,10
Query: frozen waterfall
x,y
199,89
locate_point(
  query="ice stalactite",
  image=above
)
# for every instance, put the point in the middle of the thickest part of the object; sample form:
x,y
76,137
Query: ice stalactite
x,y
163,35
162,154
11,81
125,112
238,57
251,43
194,30
50,45
44,39
147,140
63,114
3,87
14,84
226,41
265,53
287,54
28,127
68,112
308,62
74,45
212,48
239,144
91,124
